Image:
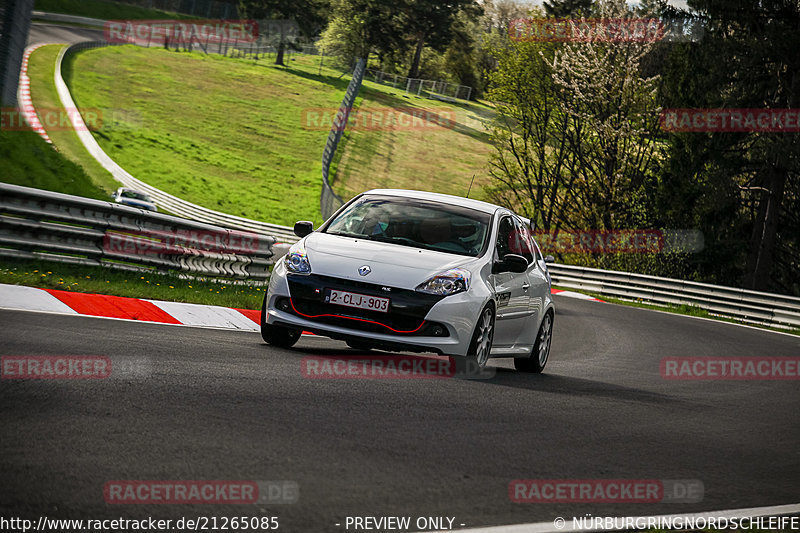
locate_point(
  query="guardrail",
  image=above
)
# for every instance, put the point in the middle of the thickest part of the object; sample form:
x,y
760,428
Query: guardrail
x,y
169,202
37,224
746,305
69,19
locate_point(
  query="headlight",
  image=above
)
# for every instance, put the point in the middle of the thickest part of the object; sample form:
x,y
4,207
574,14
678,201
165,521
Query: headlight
x,y
296,260
451,282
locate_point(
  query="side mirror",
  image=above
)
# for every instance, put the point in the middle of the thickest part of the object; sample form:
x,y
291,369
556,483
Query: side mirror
x,y
549,259
303,228
511,263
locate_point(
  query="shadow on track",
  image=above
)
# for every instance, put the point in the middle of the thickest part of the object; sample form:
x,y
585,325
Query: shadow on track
x,y
506,377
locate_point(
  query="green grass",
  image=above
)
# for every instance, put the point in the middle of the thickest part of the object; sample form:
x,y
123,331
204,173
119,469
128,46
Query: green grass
x,y
41,68
28,160
684,309
228,134
103,280
430,157
220,132
105,10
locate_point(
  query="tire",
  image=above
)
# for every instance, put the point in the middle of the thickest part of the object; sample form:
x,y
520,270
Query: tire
x,y
361,346
277,335
541,348
481,344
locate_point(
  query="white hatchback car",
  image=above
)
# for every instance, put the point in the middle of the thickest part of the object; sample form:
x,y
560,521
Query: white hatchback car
x,y
133,198
416,271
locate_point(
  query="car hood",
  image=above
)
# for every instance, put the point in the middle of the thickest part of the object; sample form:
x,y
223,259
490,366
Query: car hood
x,y
391,264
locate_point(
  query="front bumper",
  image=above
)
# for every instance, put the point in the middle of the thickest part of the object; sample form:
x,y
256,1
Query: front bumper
x,y
415,322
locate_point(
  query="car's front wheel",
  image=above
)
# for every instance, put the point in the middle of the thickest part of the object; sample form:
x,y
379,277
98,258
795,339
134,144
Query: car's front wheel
x,y
481,345
541,349
277,335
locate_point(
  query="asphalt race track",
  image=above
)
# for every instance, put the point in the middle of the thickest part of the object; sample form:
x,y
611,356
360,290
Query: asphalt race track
x,y
220,405
43,32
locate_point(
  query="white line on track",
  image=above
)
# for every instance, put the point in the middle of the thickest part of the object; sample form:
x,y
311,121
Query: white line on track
x,y
549,527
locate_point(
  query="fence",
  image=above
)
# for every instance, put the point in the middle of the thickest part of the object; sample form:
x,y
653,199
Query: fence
x,y
265,39
15,16
37,224
440,90
172,203
329,200
750,306
236,49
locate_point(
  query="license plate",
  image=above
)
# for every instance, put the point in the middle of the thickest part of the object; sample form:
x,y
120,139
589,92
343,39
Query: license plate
x,y
359,301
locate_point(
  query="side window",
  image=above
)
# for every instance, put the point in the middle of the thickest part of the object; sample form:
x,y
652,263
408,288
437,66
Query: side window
x,y
504,234
520,242
536,249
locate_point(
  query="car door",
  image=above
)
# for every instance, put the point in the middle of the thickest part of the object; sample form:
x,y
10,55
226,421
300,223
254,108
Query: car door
x,y
538,281
512,290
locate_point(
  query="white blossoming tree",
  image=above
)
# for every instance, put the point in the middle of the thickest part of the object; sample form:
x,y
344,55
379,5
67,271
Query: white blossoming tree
x,y
613,134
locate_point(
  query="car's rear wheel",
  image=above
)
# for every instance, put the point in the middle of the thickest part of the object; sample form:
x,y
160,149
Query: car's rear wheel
x,y
541,348
481,345
277,335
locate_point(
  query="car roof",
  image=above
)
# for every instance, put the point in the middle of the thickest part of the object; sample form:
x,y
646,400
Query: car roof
x,y
137,191
438,197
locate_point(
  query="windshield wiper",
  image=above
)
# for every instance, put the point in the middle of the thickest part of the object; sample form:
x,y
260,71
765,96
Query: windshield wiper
x,y
346,234
401,241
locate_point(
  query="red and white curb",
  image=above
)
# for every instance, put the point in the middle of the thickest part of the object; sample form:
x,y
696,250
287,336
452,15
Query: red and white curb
x,y
24,95
23,298
99,305
572,294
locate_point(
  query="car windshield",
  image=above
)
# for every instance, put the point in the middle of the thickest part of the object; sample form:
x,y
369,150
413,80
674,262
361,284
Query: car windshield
x,y
135,196
416,223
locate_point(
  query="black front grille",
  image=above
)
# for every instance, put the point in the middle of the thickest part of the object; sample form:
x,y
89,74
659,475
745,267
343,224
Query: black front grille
x,y
406,315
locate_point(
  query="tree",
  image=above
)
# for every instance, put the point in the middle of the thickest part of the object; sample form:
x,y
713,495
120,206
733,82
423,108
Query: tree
x,y
613,132
531,166
460,56
491,34
499,14
576,139
568,8
308,15
743,187
357,28
431,23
